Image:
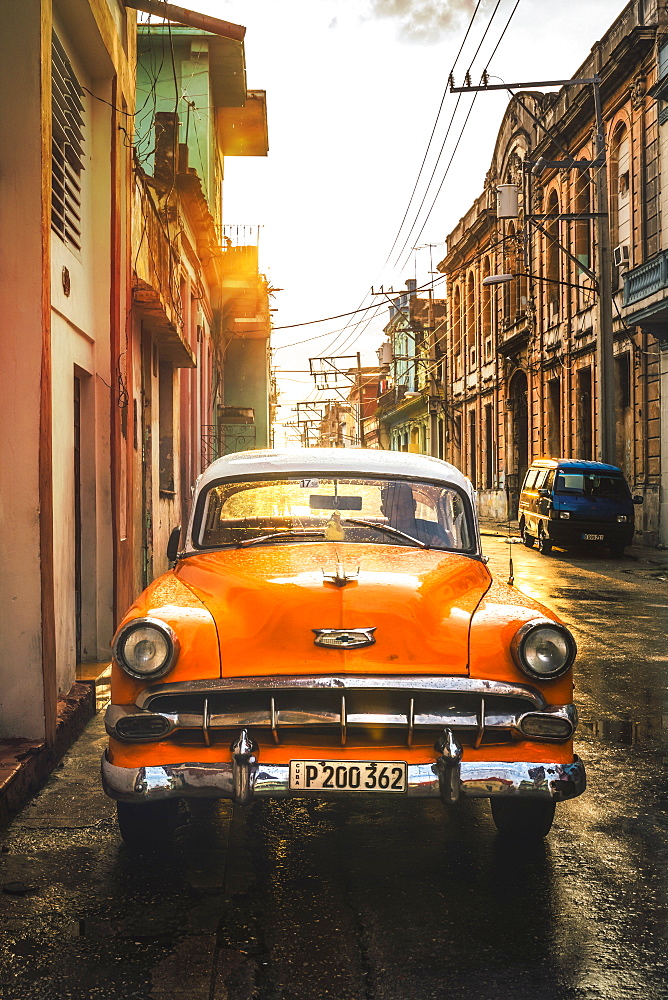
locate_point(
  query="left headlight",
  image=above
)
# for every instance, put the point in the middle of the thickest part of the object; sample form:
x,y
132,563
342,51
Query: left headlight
x,y
146,648
544,649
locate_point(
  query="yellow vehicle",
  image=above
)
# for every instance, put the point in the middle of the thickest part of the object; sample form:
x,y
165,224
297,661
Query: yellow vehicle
x,y
330,627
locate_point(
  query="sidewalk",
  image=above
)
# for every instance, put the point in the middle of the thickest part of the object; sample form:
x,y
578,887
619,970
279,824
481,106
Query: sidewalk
x,y
26,764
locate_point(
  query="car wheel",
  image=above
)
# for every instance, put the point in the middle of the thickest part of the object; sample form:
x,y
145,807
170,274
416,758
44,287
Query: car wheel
x,y
526,537
544,544
617,550
149,826
522,818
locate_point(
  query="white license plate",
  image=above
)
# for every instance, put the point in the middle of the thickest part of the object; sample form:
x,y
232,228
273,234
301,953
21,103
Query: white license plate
x,y
348,775
593,538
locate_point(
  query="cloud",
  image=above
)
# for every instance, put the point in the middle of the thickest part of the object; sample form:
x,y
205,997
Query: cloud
x,y
422,21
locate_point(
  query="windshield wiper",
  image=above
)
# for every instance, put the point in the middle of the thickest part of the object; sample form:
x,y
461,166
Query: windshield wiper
x,y
279,534
388,528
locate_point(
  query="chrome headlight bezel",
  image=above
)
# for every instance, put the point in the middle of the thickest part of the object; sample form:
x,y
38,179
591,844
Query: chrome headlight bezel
x,y
167,633
527,630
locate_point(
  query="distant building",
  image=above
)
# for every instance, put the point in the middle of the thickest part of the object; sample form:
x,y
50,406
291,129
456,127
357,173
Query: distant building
x,y
414,365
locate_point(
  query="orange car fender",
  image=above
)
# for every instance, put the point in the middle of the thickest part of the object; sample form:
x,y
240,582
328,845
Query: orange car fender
x,y
169,600
501,612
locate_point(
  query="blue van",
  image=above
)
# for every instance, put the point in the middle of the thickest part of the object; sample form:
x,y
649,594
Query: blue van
x,y
567,501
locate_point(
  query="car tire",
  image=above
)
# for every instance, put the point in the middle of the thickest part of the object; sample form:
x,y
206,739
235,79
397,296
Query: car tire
x,y
528,819
544,543
528,539
617,550
149,826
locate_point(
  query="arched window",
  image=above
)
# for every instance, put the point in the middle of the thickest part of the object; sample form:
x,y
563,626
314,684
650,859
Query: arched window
x,y
470,321
620,193
583,241
552,260
486,313
457,332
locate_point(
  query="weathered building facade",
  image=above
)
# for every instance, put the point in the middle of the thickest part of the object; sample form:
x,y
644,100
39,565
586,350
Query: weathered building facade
x,y
409,409
524,352
124,315
67,73
199,303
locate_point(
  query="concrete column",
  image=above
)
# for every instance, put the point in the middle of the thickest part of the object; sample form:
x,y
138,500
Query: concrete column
x,y
663,494
26,525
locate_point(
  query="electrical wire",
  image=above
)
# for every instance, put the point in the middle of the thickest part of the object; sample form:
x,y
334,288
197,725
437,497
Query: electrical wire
x,y
431,208
433,132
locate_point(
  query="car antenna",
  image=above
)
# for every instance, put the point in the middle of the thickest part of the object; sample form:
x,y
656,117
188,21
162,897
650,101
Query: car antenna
x,y
511,570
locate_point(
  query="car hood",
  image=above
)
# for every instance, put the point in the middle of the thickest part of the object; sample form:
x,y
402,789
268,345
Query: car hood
x,y
267,600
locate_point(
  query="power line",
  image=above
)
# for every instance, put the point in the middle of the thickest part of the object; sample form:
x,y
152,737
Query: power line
x,y
431,208
431,137
450,124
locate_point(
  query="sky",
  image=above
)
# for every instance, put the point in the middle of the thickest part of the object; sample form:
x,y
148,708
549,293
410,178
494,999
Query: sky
x,y
353,92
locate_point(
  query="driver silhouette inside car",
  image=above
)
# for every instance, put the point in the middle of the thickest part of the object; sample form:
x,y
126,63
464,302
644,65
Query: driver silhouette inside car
x,y
398,505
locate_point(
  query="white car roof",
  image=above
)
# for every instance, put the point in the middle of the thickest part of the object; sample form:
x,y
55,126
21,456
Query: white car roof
x,y
341,461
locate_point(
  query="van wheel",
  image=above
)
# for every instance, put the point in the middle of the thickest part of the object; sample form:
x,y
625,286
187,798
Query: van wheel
x,y
544,543
149,826
526,537
617,550
522,818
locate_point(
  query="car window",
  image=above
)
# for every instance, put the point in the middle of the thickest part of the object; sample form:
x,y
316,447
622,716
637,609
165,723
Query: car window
x,y
590,483
541,479
530,479
327,510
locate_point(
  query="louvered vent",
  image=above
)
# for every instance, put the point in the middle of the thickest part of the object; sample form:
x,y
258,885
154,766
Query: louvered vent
x,y
67,149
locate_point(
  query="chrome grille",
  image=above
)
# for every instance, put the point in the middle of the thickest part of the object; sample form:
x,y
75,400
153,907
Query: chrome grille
x,y
394,710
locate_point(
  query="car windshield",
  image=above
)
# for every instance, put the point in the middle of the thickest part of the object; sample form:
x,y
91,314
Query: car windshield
x,y
590,483
384,511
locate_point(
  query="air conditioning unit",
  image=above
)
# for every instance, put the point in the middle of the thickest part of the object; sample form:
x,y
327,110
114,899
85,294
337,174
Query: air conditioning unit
x,y
621,256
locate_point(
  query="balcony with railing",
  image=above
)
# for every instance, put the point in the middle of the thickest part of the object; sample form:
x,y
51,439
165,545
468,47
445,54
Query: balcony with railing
x,y
155,280
645,297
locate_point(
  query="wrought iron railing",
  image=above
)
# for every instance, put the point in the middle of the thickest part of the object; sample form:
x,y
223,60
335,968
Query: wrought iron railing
x,y
224,439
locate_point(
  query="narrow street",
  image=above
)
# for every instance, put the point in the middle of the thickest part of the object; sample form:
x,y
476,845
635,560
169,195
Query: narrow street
x,y
296,901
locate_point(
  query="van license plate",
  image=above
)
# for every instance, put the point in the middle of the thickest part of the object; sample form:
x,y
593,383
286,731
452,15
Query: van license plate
x,y
348,775
593,538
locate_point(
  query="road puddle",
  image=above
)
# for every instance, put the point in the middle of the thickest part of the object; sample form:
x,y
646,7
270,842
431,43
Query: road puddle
x,y
613,730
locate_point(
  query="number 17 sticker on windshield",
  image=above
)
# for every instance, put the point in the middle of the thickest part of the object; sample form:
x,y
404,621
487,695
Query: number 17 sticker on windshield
x,y
348,776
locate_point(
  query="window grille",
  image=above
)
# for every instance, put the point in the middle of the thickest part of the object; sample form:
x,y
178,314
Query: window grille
x,y
67,148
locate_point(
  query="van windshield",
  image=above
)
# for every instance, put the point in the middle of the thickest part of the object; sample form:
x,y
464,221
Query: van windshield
x,y
592,484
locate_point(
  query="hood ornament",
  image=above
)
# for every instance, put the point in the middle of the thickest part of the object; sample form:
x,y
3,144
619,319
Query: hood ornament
x,y
344,638
341,576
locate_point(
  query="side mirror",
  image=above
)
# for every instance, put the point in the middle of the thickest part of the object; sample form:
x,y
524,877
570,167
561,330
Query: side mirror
x,y
543,493
173,544
638,499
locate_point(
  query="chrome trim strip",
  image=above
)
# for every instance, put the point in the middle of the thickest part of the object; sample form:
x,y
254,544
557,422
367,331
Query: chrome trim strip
x,y
344,721
395,682
477,779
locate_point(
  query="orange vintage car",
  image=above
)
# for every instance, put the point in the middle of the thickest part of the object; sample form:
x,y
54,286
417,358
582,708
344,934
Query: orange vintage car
x,y
330,627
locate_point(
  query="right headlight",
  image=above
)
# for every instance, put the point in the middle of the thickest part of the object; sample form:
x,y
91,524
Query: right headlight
x,y
146,648
543,649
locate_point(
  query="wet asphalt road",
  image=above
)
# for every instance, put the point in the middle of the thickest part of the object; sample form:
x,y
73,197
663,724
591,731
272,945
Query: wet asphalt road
x,y
295,901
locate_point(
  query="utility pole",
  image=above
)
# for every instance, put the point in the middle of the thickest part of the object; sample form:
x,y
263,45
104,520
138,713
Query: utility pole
x,y
360,403
604,341
433,385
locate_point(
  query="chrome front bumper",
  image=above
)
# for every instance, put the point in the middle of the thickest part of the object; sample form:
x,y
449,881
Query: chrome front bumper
x,y
245,778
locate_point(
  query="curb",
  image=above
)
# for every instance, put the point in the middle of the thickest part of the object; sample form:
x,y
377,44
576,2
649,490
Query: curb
x,y
25,765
